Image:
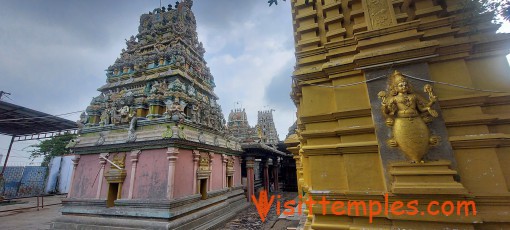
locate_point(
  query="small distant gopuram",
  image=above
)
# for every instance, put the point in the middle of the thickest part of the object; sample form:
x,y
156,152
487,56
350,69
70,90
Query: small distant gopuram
x,y
266,127
153,152
405,104
264,132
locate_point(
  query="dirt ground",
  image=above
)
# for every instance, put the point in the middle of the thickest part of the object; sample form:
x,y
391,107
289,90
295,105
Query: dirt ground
x,y
30,217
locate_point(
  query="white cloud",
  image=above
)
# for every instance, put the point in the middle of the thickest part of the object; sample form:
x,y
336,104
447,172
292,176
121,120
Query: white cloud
x,y
53,56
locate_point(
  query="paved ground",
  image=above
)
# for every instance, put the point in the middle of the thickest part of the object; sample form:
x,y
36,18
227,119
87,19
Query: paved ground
x,y
249,219
29,218
33,219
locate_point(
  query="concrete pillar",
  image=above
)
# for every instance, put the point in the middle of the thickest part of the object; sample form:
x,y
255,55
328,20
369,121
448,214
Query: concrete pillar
x,y
238,171
224,159
134,162
75,160
299,176
250,162
172,158
266,175
102,161
276,169
196,158
211,156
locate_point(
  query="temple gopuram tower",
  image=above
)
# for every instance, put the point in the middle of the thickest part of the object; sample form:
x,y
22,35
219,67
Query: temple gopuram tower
x,y
239,127
267,128
403,102
153,152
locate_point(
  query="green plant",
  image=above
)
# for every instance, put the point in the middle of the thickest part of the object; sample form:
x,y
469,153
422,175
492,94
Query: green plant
x,y
49,148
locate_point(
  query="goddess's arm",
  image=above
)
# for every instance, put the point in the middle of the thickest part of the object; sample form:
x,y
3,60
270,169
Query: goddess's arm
x,y
425,105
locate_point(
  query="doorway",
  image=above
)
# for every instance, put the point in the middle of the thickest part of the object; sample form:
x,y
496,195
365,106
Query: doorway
x,y
113,194
203,188
230,182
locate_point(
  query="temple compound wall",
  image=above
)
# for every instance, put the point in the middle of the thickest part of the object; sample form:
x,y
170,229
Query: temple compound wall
x,y
152,150
400,101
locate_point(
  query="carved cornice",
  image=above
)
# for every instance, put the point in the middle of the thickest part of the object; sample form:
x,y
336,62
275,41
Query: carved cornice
x,y
342,148
355,112
469,120
493,140
155,144
339,132
463,101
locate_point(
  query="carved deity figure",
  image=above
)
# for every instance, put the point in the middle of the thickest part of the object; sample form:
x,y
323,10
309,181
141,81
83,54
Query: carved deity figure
x,y
197,113
407,113
176,110
155,88
191,91
124,114
177,86
131,42
83,118
119,160
204,163
230,164
163,86
193,111
106,116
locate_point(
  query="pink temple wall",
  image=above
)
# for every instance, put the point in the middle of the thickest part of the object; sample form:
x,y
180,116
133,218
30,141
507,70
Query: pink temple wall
x,y
125,185
104,186
184,174
151,175
237,173
86,171
217,175
108,166
87,177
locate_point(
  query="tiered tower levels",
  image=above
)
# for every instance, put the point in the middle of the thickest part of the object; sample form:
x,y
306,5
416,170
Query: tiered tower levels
x,y
267,128
239,127
345,49
160,77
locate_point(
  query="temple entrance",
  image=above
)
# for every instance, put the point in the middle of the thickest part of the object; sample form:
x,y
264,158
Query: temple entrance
x,y
230,181
203,188
113,194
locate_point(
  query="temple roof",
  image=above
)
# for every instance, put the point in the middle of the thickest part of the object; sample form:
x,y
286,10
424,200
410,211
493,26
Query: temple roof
x,y
161,74
261,149
169,35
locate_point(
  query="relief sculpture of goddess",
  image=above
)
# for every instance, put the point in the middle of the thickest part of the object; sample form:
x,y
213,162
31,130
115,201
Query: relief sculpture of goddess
x,y
408,114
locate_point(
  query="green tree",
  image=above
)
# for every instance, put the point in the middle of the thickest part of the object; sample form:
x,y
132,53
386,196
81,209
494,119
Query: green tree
x,y
49,148
500,8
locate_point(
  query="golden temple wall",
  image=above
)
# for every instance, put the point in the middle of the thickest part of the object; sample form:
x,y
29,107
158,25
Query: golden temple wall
x,y
339,146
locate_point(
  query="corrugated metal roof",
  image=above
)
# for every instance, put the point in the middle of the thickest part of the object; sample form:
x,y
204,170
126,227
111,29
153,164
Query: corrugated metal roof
x,y
17,120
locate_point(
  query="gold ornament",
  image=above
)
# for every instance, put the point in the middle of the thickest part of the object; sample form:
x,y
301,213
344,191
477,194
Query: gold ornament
x,y
407,113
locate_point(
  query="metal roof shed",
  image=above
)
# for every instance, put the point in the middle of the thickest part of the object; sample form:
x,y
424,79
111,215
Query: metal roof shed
x,y
28,124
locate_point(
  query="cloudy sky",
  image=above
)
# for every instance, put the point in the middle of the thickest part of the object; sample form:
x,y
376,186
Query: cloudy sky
x,y
53,53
